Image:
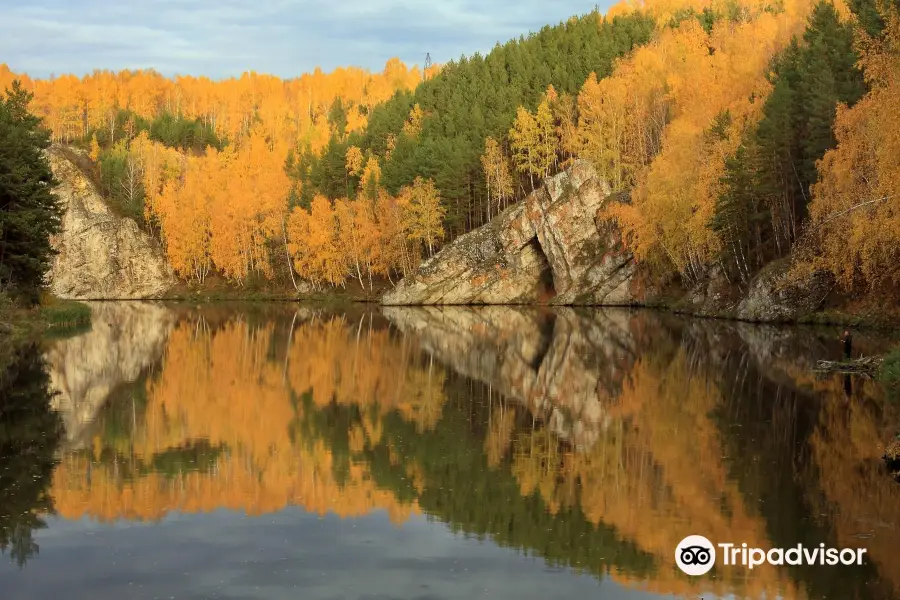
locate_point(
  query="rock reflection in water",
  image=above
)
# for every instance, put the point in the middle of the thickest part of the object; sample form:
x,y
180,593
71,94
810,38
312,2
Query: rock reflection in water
x,y
595,439
564,366
125,339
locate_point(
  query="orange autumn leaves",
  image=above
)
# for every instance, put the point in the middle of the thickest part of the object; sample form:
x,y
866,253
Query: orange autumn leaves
x,y
217,210
855,210
663,124
289,110
224,386
667,119
367,236
227,211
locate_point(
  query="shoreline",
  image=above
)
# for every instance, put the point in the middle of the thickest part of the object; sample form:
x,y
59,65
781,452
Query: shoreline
x,y
869,320
23,326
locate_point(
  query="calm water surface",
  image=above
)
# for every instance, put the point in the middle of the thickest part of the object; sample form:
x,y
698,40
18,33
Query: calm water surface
x,y
290,452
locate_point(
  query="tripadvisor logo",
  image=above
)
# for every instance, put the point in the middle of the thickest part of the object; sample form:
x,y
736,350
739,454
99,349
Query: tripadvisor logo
x,y
696,555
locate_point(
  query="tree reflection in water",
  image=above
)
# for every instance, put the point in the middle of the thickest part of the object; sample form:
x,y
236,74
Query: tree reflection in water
x,y
30,433
597,443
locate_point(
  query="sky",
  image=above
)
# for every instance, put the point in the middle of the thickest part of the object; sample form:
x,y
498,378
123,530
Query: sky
x,y
224,38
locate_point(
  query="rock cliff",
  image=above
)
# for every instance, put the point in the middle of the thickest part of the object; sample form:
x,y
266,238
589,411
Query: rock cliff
x,y
772,297
100,256
554,248
550,248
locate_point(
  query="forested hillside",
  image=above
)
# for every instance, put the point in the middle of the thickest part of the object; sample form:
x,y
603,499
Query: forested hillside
x,y
438,130
740,131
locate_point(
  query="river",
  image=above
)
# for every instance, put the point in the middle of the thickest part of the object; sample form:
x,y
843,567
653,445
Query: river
x,y
279,451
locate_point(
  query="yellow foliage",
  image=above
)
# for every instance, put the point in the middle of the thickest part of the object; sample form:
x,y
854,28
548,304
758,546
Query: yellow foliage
x,y
497,175
413,124
289,110
354,160
357,235
855,211
221,211
183,212
159,165
95,148
423,212
371,178
670,114
225,388
207,217
533,141
314,245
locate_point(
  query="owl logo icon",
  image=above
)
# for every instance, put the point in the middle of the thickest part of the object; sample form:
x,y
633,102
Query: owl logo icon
x,y
695,555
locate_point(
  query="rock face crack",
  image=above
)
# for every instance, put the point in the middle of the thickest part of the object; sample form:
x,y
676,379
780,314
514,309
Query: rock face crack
x,y
546,281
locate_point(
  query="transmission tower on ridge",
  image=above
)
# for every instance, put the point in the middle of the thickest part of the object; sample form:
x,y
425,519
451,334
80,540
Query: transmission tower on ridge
x,y
427,64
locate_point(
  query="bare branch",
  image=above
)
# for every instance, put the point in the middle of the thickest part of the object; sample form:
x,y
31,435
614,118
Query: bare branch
x,y
834,216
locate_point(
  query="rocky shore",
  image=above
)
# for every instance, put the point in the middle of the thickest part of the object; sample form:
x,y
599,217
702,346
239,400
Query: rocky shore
x,y
554,248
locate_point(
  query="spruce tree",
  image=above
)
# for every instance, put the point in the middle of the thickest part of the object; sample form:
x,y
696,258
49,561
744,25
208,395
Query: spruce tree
x,y
29,212
777,163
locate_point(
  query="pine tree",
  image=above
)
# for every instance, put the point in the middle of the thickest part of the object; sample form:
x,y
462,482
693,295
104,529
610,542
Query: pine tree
x,y
474,98
29,212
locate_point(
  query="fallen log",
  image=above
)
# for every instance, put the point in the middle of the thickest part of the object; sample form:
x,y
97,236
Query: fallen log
x,y
866,365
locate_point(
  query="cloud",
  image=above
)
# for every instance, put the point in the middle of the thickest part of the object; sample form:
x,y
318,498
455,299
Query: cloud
x,y
283,37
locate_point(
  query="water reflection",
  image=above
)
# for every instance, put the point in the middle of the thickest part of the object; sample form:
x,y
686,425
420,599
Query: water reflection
x,y
596,440
125,341
30,433
227,418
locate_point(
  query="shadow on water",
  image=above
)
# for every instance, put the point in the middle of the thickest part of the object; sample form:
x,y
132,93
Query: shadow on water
x,y
30,433
595,440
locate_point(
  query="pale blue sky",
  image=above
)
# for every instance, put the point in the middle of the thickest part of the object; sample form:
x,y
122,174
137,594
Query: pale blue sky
x,y
221,38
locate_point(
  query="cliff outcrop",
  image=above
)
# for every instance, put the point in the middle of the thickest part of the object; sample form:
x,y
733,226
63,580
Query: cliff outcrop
x,y
101,256
550,248
555,248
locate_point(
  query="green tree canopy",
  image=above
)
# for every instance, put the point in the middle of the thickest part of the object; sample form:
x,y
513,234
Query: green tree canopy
x,y
471,99
29,212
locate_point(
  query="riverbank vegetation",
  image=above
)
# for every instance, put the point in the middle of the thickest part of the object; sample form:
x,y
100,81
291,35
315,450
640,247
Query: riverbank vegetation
x,y
277,185
745,132
62,315
889,374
